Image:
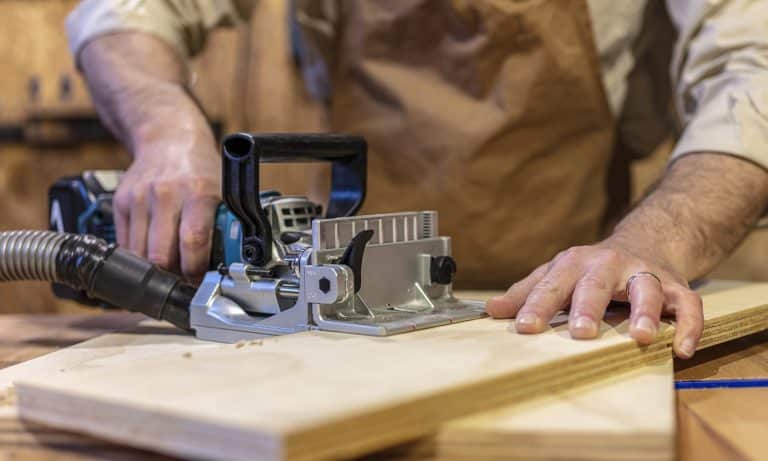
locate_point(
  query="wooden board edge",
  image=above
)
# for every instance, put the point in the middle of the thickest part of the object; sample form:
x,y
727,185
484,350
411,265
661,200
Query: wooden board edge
x,y
421,417
43,405
370,430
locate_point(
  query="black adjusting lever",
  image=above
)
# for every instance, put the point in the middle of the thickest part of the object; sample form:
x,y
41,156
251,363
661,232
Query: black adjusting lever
x,y
353,255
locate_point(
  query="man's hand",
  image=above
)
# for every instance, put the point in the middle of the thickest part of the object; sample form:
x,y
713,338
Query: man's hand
x,y
587,279
165,205
703,207
166,202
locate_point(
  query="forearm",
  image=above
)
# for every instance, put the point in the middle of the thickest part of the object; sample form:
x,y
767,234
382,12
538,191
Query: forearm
x,y
702,208
138,83
166,200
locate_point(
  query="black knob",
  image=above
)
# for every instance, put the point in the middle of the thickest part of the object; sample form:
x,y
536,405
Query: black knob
x,y
252,252
442,269
290,237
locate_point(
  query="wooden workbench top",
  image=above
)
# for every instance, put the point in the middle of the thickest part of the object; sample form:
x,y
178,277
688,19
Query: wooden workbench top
x,y
713,424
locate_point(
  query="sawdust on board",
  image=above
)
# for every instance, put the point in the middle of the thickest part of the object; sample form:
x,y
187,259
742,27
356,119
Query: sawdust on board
x,y
238,345
253,342
8,397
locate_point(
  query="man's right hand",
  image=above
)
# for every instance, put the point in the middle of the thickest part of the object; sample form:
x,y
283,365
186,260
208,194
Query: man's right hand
x,y
166,203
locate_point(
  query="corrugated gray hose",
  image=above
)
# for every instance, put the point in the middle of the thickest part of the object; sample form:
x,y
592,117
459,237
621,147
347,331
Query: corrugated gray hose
x,y
102,270
30,255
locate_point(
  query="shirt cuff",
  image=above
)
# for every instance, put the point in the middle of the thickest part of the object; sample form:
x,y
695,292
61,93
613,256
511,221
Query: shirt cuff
x,y
94,18
733,120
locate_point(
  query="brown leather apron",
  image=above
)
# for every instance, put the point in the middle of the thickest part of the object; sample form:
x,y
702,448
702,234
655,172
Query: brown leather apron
x,y
491,112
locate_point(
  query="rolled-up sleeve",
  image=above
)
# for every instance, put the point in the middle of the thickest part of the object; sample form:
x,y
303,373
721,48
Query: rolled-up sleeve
x,y
183,24
720,72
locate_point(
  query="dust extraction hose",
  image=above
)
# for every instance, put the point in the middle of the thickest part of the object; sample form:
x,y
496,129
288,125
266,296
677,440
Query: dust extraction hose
x,y
103,270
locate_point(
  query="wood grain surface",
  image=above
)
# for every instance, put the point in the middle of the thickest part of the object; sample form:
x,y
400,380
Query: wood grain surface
x,y
514,430
508,430
318,407
627,417
25,337
725,424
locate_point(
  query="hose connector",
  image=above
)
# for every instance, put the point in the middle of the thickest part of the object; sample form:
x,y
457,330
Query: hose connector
x,y
102,270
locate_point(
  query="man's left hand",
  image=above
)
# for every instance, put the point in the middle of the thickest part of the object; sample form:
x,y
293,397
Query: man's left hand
x,y
587,279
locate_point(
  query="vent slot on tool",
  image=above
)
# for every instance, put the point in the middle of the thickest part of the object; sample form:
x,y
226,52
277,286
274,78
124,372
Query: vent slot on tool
x,y
333,234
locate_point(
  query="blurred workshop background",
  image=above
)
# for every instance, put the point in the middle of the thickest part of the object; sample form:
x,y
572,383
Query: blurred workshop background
x,y
48,127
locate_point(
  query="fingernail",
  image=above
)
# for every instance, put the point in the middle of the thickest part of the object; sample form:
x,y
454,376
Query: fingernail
x,y
494,299
688,347
527,320
645,324
585,325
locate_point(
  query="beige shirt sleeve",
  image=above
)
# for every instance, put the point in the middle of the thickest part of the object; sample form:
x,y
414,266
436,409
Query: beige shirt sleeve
x,y
720,73
184,24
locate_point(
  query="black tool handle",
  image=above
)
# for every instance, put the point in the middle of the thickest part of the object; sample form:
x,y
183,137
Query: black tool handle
x,y
241,155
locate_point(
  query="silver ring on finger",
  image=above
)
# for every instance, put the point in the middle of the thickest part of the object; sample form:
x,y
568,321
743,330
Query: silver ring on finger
x,y
636,275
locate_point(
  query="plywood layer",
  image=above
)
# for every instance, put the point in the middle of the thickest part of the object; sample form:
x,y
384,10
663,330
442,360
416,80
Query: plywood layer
x,y
319,395
604,418
627,417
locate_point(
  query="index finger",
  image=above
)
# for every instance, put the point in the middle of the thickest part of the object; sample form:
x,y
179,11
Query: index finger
x,y
507,305
195,235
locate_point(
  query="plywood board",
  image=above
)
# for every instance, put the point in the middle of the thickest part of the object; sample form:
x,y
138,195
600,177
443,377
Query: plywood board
x,y
630,417
547,413
605,416
597,431
627,417
319,395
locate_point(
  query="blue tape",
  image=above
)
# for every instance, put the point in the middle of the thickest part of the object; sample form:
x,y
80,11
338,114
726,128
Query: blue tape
x,y
722,383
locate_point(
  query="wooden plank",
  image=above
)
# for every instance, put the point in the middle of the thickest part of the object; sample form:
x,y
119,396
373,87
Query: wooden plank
x,y
546,415
743,358
591,422
628,417
732,419
698,441
32,442
25,337
737,418
318,395
548,412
